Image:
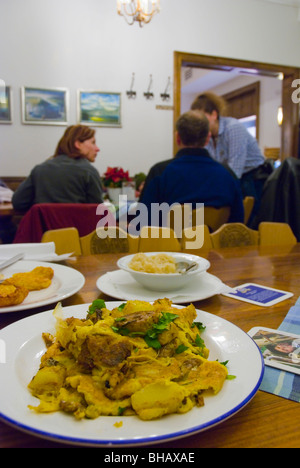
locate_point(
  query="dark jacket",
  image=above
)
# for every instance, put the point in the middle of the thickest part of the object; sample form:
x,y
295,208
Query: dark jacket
x,y
194,177
281,196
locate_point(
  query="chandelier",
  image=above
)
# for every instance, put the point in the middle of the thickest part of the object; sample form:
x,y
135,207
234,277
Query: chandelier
x,y
138,10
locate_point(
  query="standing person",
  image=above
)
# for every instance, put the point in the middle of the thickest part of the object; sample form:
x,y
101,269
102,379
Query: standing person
x,y
67,177
232,144
193,176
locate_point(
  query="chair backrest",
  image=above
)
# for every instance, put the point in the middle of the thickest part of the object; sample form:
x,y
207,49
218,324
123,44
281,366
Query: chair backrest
x,y
108,240
276,234
234,235
214,217
158,239
196,240
66,240
248,203
182,217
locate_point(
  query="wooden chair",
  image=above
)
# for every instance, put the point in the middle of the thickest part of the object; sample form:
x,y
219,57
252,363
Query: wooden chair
x,y
66,240
181,217
234,235
108,240
196,240
276,234
213,217
158,239
248,208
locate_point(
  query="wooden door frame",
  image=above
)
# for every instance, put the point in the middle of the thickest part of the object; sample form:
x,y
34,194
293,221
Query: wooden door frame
x,y
290,126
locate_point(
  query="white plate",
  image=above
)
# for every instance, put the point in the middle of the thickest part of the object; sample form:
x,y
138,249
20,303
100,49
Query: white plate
x,y
120,285
66,282
23,346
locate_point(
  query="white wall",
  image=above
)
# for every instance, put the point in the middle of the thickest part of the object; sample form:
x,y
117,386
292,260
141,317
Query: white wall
x,y
84,44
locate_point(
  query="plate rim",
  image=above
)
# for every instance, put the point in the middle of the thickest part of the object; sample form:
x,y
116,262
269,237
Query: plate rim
x,y
181,301
142,441
22,307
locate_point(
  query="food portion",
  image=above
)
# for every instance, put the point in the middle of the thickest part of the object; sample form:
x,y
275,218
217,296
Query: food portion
x,y
12,295
14,290
141,359
159,263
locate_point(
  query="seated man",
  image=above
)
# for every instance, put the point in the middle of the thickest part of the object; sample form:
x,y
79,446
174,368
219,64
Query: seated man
x,y
193,176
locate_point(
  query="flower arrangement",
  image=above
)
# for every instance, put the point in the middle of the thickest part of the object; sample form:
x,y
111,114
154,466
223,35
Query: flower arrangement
x,y
115,176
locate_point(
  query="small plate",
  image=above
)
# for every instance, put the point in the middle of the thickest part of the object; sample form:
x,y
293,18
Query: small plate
x,y
120,285
66,282
24,346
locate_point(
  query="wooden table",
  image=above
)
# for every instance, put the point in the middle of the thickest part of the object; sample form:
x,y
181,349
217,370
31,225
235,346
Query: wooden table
x,y
6,209
267,421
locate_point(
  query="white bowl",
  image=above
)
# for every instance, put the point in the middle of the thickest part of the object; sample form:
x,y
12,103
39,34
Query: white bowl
x,y
165,282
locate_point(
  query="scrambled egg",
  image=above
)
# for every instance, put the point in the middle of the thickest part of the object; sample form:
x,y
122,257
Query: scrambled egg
x,y
139,359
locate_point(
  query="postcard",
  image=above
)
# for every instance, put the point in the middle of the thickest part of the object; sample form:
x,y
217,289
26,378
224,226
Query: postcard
x,y
279,349
258,295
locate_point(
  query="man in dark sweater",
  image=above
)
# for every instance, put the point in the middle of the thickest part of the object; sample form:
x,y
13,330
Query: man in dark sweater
x,y
193,176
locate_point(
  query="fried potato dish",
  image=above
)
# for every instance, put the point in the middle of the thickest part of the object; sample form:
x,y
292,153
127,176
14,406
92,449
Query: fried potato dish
x,y
141,359
14,290
39,278
160,263
12,295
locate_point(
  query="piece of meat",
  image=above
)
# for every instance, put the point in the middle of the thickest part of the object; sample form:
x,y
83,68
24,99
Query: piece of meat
x,y
140,321
99,350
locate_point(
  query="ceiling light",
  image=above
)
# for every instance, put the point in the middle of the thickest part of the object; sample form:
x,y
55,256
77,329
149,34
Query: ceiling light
x,y
141,11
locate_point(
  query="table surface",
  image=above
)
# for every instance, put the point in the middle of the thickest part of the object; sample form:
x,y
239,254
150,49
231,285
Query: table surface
x,y
268,421
6,209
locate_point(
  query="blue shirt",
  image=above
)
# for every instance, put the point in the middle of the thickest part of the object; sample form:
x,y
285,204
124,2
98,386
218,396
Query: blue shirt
x,y
194,177
236,147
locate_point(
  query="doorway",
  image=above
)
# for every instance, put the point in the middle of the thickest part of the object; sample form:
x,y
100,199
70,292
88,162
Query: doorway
x,y
290,124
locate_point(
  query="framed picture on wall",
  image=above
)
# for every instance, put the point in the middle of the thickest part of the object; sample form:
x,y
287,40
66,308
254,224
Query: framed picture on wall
x,y
99,108
41,106
5,104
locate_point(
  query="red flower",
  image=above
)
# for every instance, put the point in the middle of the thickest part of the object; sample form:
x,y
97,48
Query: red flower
x,y
115,176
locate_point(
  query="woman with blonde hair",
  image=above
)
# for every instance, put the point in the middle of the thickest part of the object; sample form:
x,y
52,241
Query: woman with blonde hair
x,y
67,177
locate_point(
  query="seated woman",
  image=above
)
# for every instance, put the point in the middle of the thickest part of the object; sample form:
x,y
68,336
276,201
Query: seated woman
x,y
66,177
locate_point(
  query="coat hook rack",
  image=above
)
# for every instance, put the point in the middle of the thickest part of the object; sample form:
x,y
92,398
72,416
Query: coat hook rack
x,y
148,94
166,96
131,94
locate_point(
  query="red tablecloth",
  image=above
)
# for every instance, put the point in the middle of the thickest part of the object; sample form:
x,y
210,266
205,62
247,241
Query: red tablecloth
x,y
44,217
